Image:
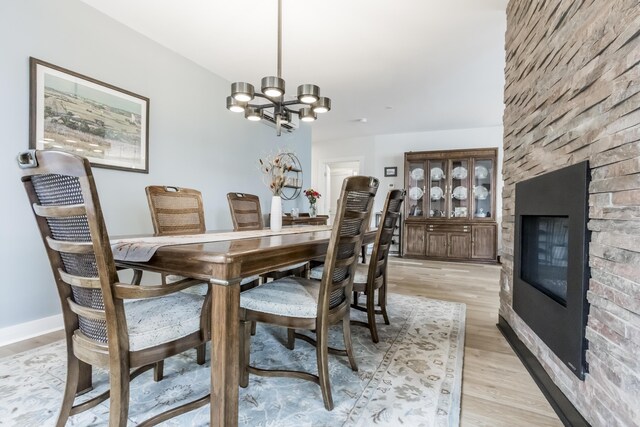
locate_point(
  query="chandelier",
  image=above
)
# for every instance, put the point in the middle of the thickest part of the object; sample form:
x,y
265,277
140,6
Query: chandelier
x,y
307,105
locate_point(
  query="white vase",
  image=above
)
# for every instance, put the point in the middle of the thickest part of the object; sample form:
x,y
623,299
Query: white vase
x,y
276,213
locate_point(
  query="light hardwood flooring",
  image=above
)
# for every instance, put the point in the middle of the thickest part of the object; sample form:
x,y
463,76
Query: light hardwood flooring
x,y
496,388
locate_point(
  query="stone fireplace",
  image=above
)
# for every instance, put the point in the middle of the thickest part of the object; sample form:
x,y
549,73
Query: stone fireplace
x,y
572,94
551,275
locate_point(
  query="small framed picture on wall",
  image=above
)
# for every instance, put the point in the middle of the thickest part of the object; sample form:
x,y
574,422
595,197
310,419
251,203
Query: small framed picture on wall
x,y
391,171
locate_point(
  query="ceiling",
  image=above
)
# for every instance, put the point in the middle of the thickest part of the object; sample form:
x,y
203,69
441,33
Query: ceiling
x,y
403,65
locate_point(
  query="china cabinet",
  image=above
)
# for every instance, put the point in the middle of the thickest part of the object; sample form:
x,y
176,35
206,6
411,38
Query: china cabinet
x,y
450,205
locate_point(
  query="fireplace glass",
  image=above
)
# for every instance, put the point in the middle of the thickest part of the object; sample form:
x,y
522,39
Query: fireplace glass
x,y
544,254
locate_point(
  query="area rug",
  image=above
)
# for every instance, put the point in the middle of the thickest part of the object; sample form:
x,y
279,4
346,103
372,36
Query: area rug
x,y
412,377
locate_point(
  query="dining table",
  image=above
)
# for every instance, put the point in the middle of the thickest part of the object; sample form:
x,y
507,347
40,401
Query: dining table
x,y
223,262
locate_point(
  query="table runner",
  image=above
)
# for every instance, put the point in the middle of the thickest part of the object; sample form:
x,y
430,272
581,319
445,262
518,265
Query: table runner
x,y
141,249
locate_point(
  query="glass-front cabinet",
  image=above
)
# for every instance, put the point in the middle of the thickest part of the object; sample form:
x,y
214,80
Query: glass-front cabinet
x,y
459,188
417,184
450,204
437,188
483,188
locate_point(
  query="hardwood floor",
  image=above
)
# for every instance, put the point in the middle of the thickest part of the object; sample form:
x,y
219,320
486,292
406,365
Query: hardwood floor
x,y
25,345
496,388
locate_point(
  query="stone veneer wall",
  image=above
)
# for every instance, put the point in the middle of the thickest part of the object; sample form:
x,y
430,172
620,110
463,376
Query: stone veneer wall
x,y
572,92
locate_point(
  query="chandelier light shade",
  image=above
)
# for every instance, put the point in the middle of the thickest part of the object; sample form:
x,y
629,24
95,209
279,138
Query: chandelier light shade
x,y
235,105
308,94
253,114
322,105
306,105
242,91
307,114
273,87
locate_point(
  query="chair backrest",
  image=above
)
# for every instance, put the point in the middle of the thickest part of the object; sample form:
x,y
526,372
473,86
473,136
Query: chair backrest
x,y
175,210
384,236
245,211
350,224
63,196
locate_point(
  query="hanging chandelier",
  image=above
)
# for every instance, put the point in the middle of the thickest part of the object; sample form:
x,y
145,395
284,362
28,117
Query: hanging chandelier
x,y
273,90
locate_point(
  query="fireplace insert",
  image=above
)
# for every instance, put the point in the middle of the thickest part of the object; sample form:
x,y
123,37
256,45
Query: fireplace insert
x,y
551,270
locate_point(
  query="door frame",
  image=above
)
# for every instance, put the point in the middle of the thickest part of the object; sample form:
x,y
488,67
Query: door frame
x,y
322,178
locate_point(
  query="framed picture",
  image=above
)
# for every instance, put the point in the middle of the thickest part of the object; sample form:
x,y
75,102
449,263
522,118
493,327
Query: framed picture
x,y
75,113
391,171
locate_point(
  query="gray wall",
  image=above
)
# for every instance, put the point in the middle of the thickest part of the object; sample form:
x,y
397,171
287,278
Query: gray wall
x,y
193,140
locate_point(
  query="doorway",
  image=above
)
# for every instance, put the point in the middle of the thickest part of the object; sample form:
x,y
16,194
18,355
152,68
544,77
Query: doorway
x,y
335,173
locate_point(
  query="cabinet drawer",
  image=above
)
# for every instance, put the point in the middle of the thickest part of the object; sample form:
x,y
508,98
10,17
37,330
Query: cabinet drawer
x,y
449,228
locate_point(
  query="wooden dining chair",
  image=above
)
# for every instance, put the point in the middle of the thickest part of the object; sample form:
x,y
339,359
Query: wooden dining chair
x,y
247,215
300,303
175,211
109,324
372,277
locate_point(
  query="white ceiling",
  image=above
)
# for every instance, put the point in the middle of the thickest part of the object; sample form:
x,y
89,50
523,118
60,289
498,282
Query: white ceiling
x,y
404,65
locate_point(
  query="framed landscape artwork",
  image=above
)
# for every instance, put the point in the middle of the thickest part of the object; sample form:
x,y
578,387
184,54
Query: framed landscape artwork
x,y
80,115
391,171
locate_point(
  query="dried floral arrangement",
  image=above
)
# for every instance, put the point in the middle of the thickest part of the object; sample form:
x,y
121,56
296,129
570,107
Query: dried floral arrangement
x,y
275,168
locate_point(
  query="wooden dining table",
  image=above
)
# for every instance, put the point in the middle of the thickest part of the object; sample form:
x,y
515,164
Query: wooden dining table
x,y
224,264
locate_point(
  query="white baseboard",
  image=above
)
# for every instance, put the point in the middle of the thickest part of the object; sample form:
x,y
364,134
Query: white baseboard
x,y
27,330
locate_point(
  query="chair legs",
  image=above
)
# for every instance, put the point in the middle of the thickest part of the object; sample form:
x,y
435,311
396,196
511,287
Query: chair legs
x,y
119,391
291,338
371,318
85,380
322,355
201,354
70,388
370,308
382,298
346,334
158,371
245,351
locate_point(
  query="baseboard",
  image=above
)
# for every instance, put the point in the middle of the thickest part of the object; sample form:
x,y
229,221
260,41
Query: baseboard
x,y
23,331
563,407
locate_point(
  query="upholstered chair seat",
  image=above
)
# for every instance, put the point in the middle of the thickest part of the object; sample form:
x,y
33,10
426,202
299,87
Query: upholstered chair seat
x,y
287,297
158,320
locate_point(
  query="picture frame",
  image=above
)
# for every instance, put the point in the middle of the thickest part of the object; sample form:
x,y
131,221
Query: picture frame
x,y
78,114
391,171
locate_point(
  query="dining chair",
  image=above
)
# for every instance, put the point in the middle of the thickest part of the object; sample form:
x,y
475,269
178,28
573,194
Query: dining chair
x,y
180,211
372,277
123,328
301,303
247,215
175,210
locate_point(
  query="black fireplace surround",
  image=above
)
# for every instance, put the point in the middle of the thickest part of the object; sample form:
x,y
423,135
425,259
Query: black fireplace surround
x,y
551,270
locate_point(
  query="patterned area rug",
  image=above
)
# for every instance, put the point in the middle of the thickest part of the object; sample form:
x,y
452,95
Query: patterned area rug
x,y
411,377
